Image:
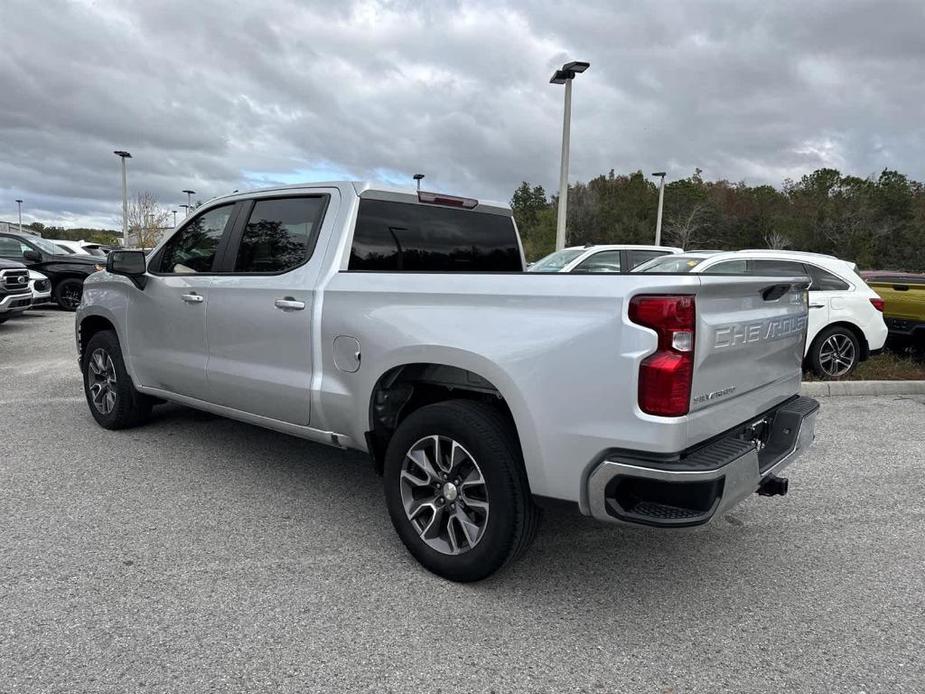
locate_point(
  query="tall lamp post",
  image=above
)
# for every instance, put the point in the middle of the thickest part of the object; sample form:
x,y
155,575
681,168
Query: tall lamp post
x,y
19,204
661,201
174,217
565,76
417,177
122,154
186,207
189,200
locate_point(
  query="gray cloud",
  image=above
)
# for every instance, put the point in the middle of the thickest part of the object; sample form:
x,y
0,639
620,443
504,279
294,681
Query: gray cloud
x,y
224,95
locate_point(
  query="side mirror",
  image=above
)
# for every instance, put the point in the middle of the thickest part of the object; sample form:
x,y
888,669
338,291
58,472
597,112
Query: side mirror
x,y
131,264
32,256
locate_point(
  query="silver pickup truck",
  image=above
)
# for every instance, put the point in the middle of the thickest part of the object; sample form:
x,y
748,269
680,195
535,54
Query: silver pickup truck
x,y
402,324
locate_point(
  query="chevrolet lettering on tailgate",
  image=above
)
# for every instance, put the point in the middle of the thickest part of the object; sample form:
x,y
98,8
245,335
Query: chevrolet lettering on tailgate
x,y
768,331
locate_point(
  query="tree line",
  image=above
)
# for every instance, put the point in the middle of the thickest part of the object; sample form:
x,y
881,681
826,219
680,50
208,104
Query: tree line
x,y
877,222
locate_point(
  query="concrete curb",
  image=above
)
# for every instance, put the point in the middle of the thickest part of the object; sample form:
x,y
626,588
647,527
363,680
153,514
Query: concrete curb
x,y
831,388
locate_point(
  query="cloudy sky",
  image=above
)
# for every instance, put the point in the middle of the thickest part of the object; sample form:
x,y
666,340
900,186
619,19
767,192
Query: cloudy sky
x,y
216,96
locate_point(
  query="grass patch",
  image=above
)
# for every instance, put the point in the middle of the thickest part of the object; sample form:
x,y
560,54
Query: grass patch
x,y
888,366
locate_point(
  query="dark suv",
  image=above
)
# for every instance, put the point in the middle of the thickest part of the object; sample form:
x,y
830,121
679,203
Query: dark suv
x,y
66,272
15,295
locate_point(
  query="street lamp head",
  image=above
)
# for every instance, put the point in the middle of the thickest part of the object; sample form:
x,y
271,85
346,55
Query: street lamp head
x,y
189,192
568,71
576,66
418,177
561,77
19,201
122,153
658,173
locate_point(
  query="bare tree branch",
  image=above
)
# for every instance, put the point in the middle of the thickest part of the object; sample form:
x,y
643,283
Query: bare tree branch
x,y
146,220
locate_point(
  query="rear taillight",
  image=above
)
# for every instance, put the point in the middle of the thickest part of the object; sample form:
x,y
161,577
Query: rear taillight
x,y
665,376
878,304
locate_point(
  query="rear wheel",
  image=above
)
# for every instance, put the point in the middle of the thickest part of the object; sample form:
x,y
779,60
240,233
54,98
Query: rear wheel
x,y
456,490
113,400
835,353
68,293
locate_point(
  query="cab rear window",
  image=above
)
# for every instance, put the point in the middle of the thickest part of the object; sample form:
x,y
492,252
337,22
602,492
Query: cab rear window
x,y
401,237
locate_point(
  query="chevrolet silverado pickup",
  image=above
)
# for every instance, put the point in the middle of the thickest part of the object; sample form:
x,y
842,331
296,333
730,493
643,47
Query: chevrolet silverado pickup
x,y
403,324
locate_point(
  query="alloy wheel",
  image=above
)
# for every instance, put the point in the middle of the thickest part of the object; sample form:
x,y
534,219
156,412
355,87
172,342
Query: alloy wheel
x,y
70,296
101,375
837,355
444,495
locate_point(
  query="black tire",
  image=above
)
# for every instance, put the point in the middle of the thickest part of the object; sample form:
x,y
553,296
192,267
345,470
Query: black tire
x,y
68,293
129,408
4,317
835,353
511,517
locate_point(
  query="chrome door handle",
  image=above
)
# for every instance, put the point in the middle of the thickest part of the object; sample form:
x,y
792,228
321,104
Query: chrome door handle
x,y
289,304
192,298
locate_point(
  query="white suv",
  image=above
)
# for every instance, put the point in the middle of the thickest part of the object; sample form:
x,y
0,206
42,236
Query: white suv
x,y
846,316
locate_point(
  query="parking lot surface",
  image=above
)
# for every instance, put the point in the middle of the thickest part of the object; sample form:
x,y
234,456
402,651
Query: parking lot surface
x,y
197,553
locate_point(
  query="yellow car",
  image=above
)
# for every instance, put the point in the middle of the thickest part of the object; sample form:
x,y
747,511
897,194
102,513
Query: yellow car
x,y
903,294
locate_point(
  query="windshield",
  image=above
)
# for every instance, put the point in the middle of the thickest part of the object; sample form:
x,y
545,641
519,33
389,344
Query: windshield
x,y
670,264
46,246
556,261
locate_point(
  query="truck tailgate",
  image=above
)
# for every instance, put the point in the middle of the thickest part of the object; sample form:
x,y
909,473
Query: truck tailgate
x,y
749,342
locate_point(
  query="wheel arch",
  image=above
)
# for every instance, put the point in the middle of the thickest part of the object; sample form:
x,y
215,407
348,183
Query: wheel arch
x,y
88,327
405,388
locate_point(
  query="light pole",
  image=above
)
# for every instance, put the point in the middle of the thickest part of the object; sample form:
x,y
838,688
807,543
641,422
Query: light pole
x,y
19,204
186,207
122,154
417,178
174,217
661,202
565,76
189,200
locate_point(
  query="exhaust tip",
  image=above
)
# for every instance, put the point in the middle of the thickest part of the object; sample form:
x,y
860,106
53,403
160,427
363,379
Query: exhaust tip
x,y
774,486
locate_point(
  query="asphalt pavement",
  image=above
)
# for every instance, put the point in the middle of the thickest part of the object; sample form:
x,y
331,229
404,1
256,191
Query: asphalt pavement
x,y
199,554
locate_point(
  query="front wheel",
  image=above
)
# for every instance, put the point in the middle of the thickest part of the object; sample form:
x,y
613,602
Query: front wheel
x,y
456,490
113,400
68,293
835,353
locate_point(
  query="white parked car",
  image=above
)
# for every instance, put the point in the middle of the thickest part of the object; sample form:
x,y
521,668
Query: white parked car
x,y
79,247
846,323
40,287
602,258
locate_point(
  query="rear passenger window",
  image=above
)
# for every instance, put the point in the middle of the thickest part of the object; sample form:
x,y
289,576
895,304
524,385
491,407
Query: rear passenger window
x,y
605,261
637,258
280,234
777,267
396,236
824,281
193,248
729,267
